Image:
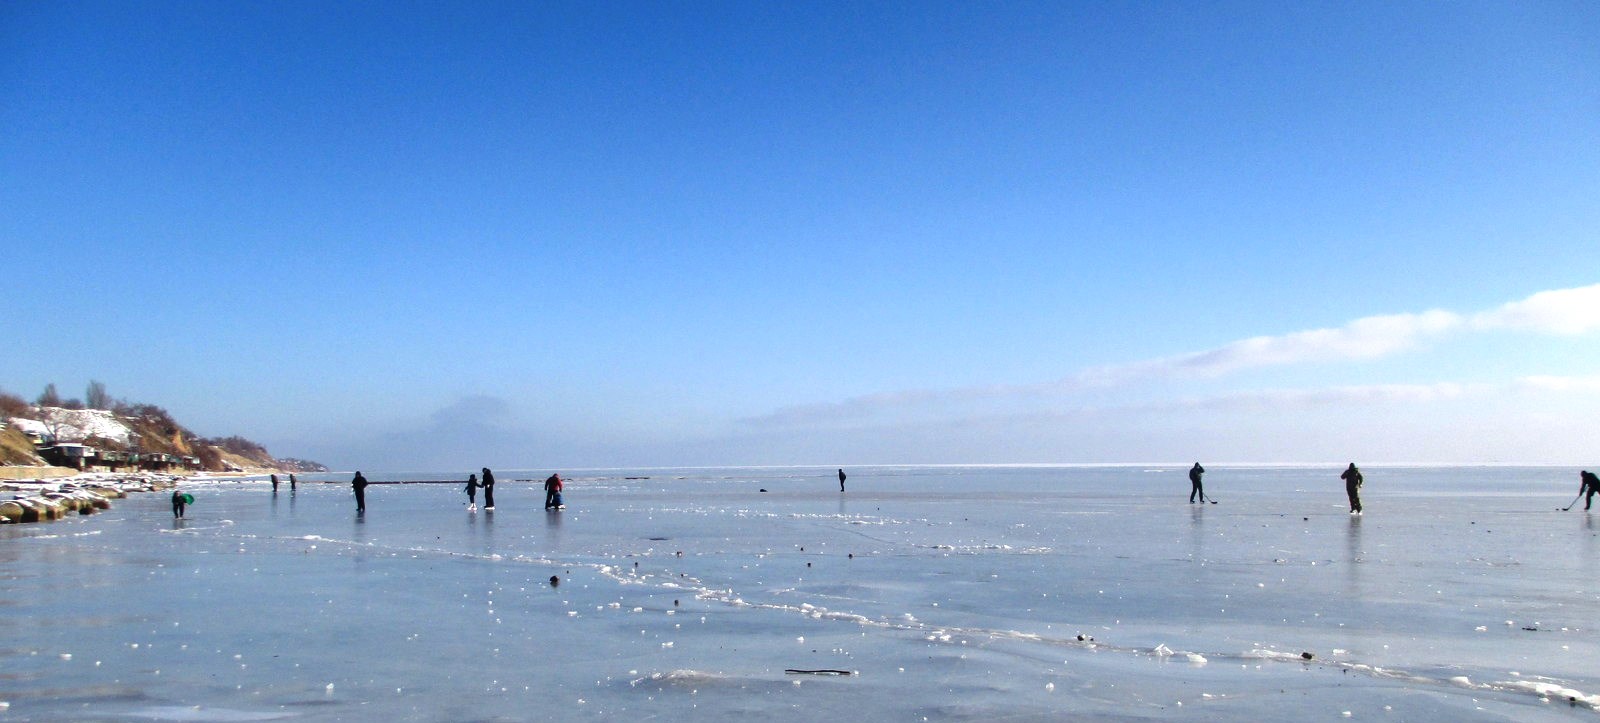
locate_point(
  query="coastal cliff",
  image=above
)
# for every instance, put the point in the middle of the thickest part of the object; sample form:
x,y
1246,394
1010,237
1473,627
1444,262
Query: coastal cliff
x,y
120,437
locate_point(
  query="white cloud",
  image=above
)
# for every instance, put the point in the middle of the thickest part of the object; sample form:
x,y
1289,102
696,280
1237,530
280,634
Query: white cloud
x,y
1589,384
1367,338
1558,311
1561,311
1361,394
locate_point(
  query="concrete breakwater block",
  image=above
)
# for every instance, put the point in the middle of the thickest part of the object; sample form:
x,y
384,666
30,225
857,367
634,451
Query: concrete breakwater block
x,y
35,510
52,510
66,502
11,511
81,500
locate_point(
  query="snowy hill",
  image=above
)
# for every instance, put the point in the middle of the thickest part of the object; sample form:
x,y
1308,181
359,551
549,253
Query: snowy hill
x,y
126,433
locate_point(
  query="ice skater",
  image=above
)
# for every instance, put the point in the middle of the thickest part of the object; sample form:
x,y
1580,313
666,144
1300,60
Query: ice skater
x,y
291,482
1352,486
488,490
472,493
841,480
552,492
1194,483
178,501
274,484
1590,485
359,485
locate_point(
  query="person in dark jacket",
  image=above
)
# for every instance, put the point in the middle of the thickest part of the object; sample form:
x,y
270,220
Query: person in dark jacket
x,y
1194,483
552,492
177,503
1591,485
841,480
292,483
1352,487
472,493
359,484
488,489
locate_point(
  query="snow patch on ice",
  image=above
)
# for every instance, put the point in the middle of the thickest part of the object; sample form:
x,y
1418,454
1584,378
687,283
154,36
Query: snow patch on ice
x,y
203,713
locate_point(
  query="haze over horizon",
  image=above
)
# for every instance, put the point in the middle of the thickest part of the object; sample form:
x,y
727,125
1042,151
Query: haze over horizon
x,y
441,236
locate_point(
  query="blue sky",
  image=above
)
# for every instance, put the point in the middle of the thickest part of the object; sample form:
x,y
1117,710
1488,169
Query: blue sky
x,y
434,235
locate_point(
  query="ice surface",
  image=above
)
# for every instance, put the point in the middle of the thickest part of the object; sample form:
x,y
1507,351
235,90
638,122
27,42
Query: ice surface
x,y
950,593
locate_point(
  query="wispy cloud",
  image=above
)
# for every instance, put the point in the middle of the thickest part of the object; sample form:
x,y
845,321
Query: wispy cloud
x,y
1560,311
1367,338
1351,394
1586,384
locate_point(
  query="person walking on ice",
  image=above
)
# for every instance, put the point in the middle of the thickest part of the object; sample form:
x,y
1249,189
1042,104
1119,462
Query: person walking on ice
x,y
488,490
1194,483
472,493
841,480
359,486
1352,487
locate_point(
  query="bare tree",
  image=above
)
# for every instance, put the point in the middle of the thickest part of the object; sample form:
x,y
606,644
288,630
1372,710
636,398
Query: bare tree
x,y
56,427
12,405
96,397
49,397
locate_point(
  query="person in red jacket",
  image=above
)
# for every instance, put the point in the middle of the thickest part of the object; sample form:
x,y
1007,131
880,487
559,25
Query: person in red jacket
x,y
552,492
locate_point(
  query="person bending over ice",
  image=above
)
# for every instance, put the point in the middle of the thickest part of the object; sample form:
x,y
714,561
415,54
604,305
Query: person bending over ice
x,y
552,492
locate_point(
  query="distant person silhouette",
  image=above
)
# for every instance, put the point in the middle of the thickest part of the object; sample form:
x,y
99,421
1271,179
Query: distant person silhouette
x,y
472,493
1352,486
1591,485
291,482
841,480
1194,483
488,489
274,484
177,503
552,492
359,484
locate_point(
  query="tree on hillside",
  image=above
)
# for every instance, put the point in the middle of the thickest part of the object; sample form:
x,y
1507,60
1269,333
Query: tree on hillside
x,y
56,427
72,404
96,397
210,458
49,397
12,405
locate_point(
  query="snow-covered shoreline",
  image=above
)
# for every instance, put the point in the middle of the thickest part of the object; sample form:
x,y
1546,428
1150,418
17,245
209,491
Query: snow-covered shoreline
x,y
47,499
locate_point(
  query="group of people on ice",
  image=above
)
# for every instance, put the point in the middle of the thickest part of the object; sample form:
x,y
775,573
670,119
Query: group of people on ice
x,y
552,492
1588,487
473,484
1351,476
